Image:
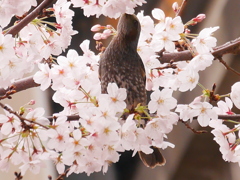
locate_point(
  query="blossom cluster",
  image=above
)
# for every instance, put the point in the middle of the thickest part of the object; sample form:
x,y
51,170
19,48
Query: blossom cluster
x,y
10,8
110,8
75,80
36,41
163,36
94,139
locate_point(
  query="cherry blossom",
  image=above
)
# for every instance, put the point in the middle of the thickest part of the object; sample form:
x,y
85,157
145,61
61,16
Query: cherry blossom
x,y
33,165
160,16
115,97
224,107
36,115
162,101
174,26
147,26
204,112
43,76
235,94
157,128
188,79
227,140
9,122
187,111
201,61
131,136
95,138
110,8
205,42
58,138
8,8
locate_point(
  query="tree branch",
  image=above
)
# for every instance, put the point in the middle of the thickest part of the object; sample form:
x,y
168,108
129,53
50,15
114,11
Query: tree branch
x,y
182,7
231,47
15,29
235,117
20,85
192,129
228,67
20,117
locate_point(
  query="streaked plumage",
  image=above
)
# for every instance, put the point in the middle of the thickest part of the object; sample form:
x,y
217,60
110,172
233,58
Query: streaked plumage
x,y
121,64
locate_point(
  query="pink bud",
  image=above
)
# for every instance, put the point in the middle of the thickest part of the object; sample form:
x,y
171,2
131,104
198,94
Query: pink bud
x,y
187,31
107,32
32,102
199,18
175,6
104,36
97,36
109,27
96,27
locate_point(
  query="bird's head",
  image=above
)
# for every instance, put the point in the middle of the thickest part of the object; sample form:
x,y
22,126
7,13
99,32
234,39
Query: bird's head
x,y
129,27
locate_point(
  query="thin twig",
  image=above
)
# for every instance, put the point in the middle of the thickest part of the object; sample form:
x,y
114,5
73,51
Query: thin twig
x,y
180,11
69,118
15,29
18,176
228,67
234,117
61,176
20,117
192,129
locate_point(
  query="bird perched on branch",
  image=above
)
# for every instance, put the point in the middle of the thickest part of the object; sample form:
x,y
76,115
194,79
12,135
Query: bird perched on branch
x,y
121,64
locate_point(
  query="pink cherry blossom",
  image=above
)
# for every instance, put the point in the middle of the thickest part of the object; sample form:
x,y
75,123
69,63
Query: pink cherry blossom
x,y
9,122
162,101
36,115
43,76
205,42
160,16
174,26
235,94
147,26
115,98
201,61
188,79
164,40
205,113
224,107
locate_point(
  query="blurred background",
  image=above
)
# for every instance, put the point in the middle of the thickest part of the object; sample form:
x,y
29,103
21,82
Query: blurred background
x,y
195,156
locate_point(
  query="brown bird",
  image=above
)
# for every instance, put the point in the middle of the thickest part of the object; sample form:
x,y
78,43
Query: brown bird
x,y
121,64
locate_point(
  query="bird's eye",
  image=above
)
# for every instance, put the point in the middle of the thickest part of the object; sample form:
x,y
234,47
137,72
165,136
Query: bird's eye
x,y
135,22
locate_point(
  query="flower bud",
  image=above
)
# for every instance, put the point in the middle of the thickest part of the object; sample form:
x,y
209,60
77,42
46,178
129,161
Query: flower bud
x,y
109,27
104,36
199,18
97,36
96,27
187,31
107,32
175,6
32,102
